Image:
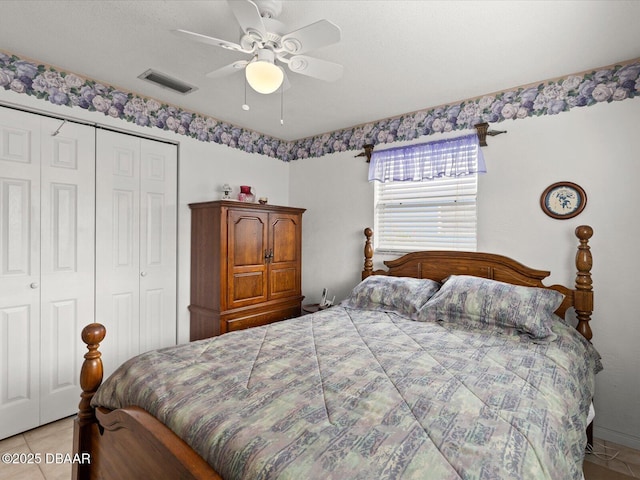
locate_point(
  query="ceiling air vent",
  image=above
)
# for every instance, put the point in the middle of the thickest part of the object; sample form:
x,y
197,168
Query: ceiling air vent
x,y
165,81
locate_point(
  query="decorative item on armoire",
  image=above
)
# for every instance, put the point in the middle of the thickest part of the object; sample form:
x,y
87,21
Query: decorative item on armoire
x,y
563,200
246,195
226,190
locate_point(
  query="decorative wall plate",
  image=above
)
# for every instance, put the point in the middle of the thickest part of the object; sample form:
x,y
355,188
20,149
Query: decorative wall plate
x,y
563,200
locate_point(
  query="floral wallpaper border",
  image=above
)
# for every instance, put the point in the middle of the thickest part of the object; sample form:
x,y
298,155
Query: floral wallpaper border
x,y
606,84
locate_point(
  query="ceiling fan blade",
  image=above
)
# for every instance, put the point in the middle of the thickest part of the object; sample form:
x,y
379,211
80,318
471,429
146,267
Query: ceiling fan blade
x,y
216,42
314,67
248,16
228,69
315,35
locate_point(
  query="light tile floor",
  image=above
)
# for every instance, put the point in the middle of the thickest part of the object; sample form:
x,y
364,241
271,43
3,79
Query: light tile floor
x,y
55,438
48,441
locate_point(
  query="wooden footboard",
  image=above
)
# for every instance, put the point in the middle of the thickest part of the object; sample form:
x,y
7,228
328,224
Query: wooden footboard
x,y
129,442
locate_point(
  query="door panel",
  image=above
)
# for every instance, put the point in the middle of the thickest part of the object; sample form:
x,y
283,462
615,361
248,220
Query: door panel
x,y
19,271
248,239
158,257
247,247
284,233
118,245
136,245
284,269
17,224
284,281
248,286
68,253
19,379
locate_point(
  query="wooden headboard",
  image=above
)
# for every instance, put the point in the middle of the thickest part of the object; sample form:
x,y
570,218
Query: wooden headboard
x,y
439,264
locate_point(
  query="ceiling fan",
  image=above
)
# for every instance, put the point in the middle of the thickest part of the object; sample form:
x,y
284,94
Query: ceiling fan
x,y
264,38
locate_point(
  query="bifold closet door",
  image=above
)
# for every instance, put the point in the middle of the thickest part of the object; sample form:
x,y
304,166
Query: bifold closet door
x,y
46,266
20,275
135,244
67,262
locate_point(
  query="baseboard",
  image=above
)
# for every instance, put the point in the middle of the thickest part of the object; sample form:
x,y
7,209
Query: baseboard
x,y
630,441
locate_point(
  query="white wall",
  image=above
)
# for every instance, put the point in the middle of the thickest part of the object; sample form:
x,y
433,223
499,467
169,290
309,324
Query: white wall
x,y
202,169
338,199
597,148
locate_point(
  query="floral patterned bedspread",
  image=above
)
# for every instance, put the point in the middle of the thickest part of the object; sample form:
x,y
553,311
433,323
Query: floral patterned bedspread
x,y
356,394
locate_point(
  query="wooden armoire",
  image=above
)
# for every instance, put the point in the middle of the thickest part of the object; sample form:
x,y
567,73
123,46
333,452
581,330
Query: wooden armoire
x,y
245,265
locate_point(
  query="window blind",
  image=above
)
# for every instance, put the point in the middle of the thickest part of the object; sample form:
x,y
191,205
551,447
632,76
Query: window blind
x,y
438,214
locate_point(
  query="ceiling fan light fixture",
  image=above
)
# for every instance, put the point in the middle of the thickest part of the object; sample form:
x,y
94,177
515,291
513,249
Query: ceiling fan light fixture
x,y
262,74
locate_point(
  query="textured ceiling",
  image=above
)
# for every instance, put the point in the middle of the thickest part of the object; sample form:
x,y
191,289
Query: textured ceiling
x,y
398,56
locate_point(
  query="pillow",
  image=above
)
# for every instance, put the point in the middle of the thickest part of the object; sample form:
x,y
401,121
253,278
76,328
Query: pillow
x,y
479,302
402,295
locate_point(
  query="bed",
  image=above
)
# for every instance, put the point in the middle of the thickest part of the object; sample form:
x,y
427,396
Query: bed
x,y
379,386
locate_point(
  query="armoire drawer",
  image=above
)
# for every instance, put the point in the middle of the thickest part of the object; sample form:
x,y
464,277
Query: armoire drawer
x,y
255,319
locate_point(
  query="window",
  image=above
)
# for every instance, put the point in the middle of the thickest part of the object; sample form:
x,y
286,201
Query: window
x,y
425,198
438,214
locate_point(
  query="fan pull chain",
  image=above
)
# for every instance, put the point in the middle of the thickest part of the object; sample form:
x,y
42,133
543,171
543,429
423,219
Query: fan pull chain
x,y
245,105
282,104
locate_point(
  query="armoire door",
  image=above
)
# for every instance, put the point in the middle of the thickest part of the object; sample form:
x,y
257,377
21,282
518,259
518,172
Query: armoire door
x,y
247,255
285,247
46,266
135,245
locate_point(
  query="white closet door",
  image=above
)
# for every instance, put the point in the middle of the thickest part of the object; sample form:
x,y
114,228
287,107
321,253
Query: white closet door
x,y
118,245
19,271
135,245
158,204
67,261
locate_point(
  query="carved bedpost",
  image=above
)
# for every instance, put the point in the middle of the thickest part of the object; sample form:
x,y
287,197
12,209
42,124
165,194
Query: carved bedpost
x,y
584,290
90,380
368,254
